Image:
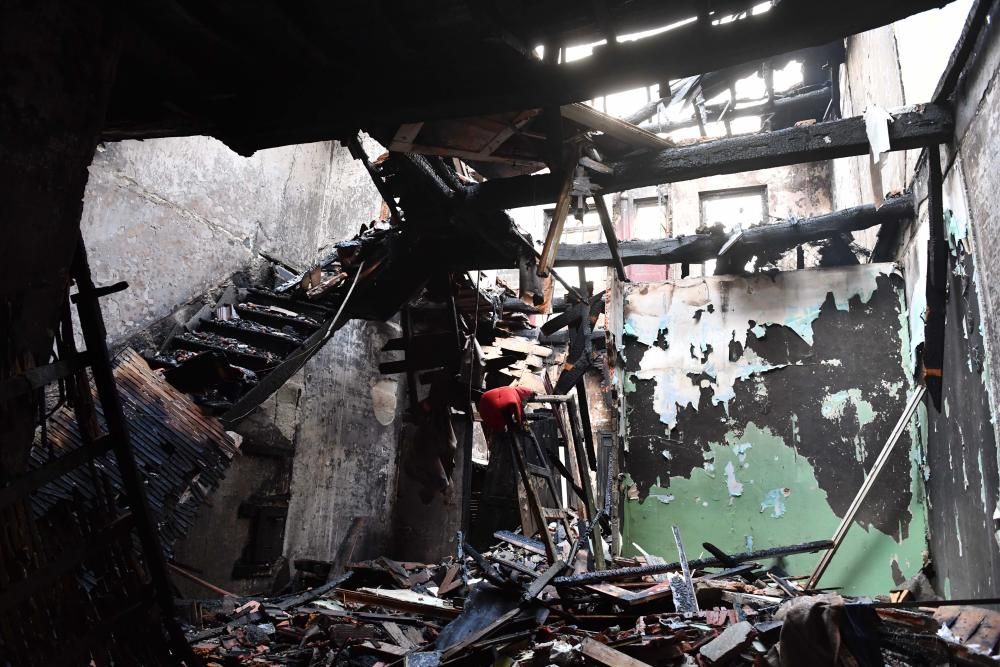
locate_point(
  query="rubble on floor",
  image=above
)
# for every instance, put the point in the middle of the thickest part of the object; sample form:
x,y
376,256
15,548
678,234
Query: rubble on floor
x,y
508,606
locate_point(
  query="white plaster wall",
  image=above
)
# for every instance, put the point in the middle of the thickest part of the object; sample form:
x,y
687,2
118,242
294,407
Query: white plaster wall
x,y
892,66
870,76
175,217
801,190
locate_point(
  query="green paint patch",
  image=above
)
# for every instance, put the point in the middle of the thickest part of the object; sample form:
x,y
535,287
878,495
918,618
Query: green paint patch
x,y
780,503
957,230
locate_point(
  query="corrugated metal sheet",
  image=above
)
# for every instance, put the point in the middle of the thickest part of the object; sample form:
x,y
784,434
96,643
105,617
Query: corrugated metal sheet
x,y
181,453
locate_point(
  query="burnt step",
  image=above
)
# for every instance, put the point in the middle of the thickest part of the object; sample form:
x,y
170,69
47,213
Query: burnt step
x,y
237,352
254,333
269,298
260,313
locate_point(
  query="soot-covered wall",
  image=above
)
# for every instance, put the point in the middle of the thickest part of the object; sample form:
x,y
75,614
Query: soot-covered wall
x,y
755,405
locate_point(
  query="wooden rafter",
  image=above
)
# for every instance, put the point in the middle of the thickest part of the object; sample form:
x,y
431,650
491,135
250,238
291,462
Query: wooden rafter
x,y
913,127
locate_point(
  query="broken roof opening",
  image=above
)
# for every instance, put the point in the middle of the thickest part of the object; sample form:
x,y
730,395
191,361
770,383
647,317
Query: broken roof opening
x,y
461,153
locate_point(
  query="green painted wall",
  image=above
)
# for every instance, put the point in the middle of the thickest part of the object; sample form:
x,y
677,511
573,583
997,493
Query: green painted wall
x,y
752,483
780,503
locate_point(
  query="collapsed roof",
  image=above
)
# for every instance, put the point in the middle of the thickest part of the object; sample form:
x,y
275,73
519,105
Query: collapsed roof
x,y
266,74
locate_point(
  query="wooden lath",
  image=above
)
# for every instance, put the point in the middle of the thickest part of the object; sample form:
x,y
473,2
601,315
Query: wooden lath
x,y
464,139
613,127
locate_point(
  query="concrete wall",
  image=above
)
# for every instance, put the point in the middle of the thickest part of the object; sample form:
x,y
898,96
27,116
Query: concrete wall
x,y
800,190
962,475
965,496
177,218
891,66
755,406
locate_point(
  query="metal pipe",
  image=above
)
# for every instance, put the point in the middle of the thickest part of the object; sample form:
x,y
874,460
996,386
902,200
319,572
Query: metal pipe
x,y
845,524
201,582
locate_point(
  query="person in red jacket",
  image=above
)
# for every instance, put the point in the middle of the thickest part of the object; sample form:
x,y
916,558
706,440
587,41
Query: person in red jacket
x,y
503,404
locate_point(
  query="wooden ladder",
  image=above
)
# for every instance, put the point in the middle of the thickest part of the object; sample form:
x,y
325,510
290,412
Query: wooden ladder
x,y
541,514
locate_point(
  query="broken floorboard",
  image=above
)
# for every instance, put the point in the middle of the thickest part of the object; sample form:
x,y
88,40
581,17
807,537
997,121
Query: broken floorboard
x,y
697,248
912,127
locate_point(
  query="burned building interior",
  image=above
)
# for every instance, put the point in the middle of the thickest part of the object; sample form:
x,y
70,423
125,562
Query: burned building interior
x,y
267,264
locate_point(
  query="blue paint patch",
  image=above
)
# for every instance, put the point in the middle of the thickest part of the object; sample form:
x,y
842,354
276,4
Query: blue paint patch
x,y
775,500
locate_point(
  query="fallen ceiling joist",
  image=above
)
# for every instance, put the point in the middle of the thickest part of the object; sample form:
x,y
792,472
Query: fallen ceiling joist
x,y
912,127
697,248
795,106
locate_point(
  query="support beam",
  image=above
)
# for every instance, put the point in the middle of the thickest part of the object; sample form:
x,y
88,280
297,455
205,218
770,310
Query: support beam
x,y
912,127
936,289
548,255
613,127
697,248
785,111
611,240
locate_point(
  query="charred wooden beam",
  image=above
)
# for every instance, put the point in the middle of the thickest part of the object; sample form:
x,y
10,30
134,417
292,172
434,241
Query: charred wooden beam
x,y
598,338
697,248
513,305
548,256
936,289
785,111
912,127
609,235
826,55
643,570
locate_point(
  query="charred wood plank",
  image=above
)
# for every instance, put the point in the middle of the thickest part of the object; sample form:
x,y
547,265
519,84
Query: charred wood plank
x,y
513,305
697,248
912,127
261,336
609,236
597,337
639,571
277,320
784,111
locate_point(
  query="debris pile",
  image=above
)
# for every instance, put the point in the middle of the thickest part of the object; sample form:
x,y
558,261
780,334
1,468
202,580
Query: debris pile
x,y
510,606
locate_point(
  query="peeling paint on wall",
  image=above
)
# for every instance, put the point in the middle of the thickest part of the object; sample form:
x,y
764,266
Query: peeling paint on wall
x,y
835,404
772,397
782,503
384,393
706,324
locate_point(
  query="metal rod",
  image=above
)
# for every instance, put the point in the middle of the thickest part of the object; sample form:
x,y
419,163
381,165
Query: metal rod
x,y
691,604
934,603
549,398
845,524
201,582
